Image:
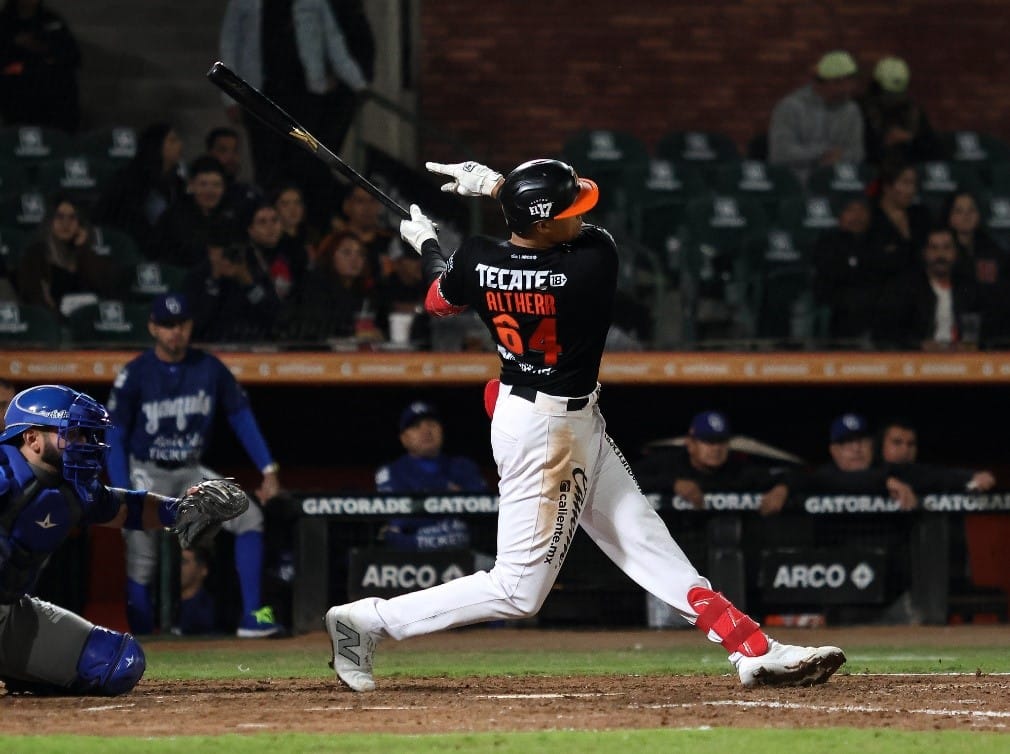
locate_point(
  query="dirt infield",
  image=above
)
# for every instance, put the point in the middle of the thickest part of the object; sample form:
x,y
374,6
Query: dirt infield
x,y
436,705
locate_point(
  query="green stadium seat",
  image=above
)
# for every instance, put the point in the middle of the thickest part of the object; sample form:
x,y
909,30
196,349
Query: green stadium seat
x,y
806,217
974,147
769,184
29,326
708,150
116,244
780,286
24,210
109,321
12,243
79,175
30,146
618,162
668,189
116,143
841,179
150,279
939,179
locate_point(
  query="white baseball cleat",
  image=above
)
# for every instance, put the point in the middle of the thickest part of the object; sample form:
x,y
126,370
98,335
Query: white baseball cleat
x,y
789,665
353,647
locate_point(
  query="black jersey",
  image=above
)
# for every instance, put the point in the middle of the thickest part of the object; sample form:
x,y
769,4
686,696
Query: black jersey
x,y
548,310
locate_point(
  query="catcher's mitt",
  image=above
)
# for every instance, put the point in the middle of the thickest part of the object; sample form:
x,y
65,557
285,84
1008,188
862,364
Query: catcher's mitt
x,y
200,513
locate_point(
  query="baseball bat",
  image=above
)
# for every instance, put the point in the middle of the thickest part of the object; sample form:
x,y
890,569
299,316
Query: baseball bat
x,y
279,121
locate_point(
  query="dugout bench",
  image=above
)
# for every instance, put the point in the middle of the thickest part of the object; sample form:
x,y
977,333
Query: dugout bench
x,y
839,551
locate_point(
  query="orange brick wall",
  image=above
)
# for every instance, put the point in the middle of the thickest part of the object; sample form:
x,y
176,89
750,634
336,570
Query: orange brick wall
x,y
514,78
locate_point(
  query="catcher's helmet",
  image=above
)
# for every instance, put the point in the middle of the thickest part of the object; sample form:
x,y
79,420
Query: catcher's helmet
x,y
544,190
79,419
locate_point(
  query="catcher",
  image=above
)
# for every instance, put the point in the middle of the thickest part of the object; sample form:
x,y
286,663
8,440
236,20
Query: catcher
x,y
51,454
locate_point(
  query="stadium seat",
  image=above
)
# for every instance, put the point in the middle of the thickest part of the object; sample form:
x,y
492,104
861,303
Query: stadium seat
x,y
14,176
27,325
150,279
24,210
769,184
841,179
995,210
12,242
31,145
716,268
109,321
116,143
80,176
709,150
974,146
939,179
668,189
806,216
779,287
618,162
117,244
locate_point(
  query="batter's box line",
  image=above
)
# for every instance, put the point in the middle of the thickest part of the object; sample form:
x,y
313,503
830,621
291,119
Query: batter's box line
x,y
830,708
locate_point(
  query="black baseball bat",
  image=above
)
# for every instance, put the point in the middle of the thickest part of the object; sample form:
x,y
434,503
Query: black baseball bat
x,y
275,118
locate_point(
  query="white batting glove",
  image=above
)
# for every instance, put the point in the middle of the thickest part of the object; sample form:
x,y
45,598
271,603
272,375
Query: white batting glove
x,y
469,178
417,229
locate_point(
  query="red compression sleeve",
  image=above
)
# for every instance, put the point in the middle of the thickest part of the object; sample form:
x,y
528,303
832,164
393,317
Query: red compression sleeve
x,y
737,632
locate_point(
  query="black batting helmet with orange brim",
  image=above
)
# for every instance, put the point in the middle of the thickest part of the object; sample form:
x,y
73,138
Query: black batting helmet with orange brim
x,y
544,190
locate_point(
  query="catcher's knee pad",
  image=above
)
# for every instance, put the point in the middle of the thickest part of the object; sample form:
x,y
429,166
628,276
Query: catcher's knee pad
x,y
111,663
736,631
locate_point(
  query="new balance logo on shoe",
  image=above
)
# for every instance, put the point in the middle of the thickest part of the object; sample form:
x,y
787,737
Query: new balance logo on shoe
x,y
352,639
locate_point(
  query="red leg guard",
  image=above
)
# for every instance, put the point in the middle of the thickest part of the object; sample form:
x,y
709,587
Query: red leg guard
x,y
737,632
491,396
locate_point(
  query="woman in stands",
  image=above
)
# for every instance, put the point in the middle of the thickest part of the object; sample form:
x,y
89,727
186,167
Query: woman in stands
x,y
60,268
898,226
981,259
143,190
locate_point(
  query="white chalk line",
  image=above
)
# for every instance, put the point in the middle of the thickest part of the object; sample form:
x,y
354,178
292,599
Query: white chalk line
x,y
106,707
831,708
580,695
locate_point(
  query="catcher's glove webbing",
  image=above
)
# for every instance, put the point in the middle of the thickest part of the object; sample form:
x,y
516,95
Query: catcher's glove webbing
x,y
200,514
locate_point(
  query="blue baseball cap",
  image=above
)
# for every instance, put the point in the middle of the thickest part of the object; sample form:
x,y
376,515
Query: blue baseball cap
x,y
416,411
170,309
710,426
849,427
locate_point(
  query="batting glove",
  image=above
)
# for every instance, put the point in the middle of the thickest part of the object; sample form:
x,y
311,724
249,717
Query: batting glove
x,y
417,229
468,178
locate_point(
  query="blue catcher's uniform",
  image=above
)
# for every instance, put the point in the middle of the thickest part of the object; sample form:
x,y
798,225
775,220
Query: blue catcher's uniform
x,y
45,648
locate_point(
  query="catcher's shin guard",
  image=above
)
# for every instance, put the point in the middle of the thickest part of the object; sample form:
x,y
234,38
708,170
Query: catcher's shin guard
x,y
736,631
111,663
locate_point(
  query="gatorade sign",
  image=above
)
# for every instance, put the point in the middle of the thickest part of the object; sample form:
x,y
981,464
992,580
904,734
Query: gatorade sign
x,y
851,576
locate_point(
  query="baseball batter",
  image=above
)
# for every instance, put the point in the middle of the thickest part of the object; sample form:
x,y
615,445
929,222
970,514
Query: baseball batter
x,y
163,405
546,296
51,454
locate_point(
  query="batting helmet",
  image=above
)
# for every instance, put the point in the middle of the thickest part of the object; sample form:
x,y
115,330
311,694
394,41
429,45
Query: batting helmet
x,y
544,190
79,419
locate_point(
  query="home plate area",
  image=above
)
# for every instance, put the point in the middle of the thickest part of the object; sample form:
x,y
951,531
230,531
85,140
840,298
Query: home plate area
x,y
851,698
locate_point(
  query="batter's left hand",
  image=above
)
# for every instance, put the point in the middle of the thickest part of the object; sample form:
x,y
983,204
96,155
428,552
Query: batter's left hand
x,y
270,488
417,229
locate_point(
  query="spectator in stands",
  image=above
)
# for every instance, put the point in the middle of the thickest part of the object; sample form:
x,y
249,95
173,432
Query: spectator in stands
x,y
223,144
402,291
60,269
337,299
342,101
424,467
232,298
295,64
705,463
289,201
197,612
895,126
979,257
819,123
850,471
850,271
898,226
898,446
282,258
362,214
39,59
930,307
189,224
7,393
143,189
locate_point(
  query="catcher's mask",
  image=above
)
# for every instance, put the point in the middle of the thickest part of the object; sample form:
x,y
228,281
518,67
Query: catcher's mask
x,y
80,422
